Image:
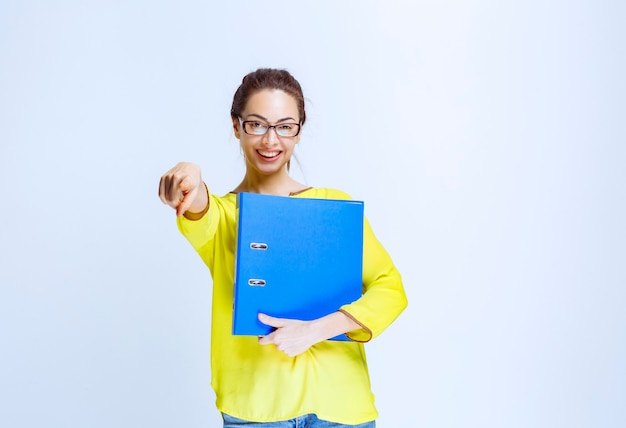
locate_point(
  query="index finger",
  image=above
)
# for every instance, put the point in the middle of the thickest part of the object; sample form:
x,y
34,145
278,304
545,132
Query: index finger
x,y
185,201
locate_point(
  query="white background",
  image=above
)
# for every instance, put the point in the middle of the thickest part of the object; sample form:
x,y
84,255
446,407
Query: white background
x,y
487,139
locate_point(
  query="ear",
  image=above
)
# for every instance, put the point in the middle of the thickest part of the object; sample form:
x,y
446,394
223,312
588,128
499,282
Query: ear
x,y
236,128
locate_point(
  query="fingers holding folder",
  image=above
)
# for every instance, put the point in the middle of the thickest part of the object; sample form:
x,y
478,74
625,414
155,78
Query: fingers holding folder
x,y
293,337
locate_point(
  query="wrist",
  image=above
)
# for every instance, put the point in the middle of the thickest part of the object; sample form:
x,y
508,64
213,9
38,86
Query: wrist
x,y
318,330
191,215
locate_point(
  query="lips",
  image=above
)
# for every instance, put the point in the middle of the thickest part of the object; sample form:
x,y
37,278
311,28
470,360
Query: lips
x,y
268,155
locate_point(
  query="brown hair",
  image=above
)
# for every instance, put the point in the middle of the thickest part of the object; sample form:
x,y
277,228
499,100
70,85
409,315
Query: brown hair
x,y
267,78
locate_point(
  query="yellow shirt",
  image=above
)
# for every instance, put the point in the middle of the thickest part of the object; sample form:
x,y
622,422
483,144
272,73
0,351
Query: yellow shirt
x,y
259,383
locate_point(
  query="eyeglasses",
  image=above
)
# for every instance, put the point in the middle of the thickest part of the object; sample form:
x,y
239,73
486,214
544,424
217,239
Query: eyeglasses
x,y
254,127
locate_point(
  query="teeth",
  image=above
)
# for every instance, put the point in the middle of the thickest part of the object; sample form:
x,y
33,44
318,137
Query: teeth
x,y
269,154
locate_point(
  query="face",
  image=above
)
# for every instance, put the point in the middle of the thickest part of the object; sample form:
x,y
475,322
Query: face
x,y
268,154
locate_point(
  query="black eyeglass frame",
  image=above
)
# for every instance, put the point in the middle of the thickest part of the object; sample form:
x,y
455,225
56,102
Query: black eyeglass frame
x,y
243,126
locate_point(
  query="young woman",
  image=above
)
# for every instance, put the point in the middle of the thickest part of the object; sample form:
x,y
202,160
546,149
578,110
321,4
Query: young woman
x,y
293,376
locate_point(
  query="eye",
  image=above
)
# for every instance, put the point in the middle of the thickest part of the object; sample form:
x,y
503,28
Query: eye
x,y
286,126
256,125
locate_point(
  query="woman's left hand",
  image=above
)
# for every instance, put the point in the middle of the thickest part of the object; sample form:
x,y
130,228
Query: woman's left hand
x,y
292,337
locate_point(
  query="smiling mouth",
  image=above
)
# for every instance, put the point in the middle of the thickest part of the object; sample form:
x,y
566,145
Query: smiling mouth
x,y
268,155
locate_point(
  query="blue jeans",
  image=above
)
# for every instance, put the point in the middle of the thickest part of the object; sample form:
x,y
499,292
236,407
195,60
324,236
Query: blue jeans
x,y
305,421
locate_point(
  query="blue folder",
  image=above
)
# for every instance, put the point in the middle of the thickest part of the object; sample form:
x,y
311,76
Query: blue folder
x,y
298,258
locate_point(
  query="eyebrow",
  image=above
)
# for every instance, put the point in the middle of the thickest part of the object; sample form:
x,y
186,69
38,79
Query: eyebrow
x,y
265,119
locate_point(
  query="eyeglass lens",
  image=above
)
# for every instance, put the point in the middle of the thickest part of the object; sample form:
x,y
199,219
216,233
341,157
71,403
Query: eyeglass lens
x,y
260,128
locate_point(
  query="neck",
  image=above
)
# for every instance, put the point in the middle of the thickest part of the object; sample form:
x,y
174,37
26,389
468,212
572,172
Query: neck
x,y
277,184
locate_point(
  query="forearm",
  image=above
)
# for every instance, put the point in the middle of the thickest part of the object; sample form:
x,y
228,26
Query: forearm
x,y
333,325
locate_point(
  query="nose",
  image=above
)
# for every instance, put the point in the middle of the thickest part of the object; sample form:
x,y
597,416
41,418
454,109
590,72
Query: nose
x,y
271,137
